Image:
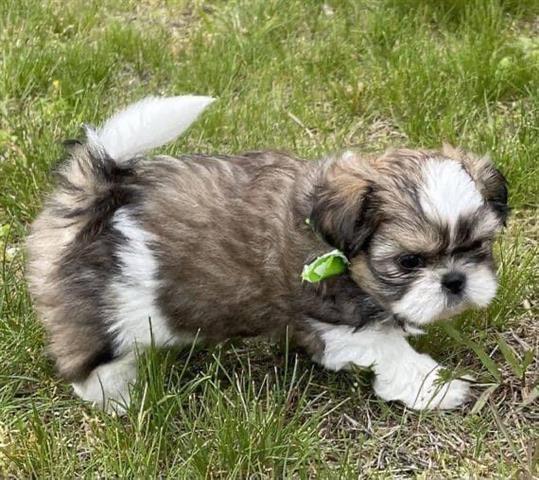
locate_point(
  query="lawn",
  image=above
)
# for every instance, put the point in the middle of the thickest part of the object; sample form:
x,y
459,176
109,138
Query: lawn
x,y
309,77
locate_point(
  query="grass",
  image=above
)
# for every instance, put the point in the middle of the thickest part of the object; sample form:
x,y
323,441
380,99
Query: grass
x,y
310,77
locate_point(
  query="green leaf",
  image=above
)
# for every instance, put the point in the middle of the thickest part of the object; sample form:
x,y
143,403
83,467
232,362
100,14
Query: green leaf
x,y
328,265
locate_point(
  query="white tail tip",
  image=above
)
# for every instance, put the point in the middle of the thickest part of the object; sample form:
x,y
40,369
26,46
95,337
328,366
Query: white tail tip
x,y
146,124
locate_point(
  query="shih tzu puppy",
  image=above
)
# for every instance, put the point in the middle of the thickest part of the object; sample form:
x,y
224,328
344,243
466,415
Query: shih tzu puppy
x,y
131,251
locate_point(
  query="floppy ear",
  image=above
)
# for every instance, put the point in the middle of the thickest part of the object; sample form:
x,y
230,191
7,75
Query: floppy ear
x,y
343,204
490,181
495,191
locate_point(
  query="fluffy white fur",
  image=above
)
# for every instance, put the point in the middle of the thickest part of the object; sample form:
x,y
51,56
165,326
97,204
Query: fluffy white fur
x,y
135,317
425,301
402,374
448,192
147,124
481,285
108,385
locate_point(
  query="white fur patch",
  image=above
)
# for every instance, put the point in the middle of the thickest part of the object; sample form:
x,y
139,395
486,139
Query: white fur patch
x,y
147,124
401,373
344,347
426,301
108,385
136,318
481,285
448,192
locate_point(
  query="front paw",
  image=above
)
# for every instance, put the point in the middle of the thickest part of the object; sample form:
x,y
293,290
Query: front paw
x,y
442,396
418,386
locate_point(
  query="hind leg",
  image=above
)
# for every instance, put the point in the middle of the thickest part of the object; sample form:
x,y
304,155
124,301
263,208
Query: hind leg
x,y
108,386
132,322
136,322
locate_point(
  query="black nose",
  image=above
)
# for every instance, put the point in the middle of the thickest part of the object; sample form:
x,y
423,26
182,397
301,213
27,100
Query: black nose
x,y
454,282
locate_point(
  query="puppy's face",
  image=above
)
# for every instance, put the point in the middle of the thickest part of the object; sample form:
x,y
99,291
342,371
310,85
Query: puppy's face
x,y
417,226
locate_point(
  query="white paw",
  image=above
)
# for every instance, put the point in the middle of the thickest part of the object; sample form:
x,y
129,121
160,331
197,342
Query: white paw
x,y
107,386
440,396
417,384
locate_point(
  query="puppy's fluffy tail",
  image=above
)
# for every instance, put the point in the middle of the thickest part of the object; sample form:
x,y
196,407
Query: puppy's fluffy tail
x,y
94,181
96,167
147,124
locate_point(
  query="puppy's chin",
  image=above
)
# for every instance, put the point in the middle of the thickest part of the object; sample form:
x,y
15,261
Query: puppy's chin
x,y
426,301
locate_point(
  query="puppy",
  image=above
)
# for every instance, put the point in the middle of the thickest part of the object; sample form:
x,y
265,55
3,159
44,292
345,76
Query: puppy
x,y
130,251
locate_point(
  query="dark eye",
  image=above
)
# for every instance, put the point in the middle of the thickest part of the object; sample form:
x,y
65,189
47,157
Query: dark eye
x,y
411,261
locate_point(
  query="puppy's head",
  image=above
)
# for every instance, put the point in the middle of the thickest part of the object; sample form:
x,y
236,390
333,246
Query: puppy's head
x,y
417,227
